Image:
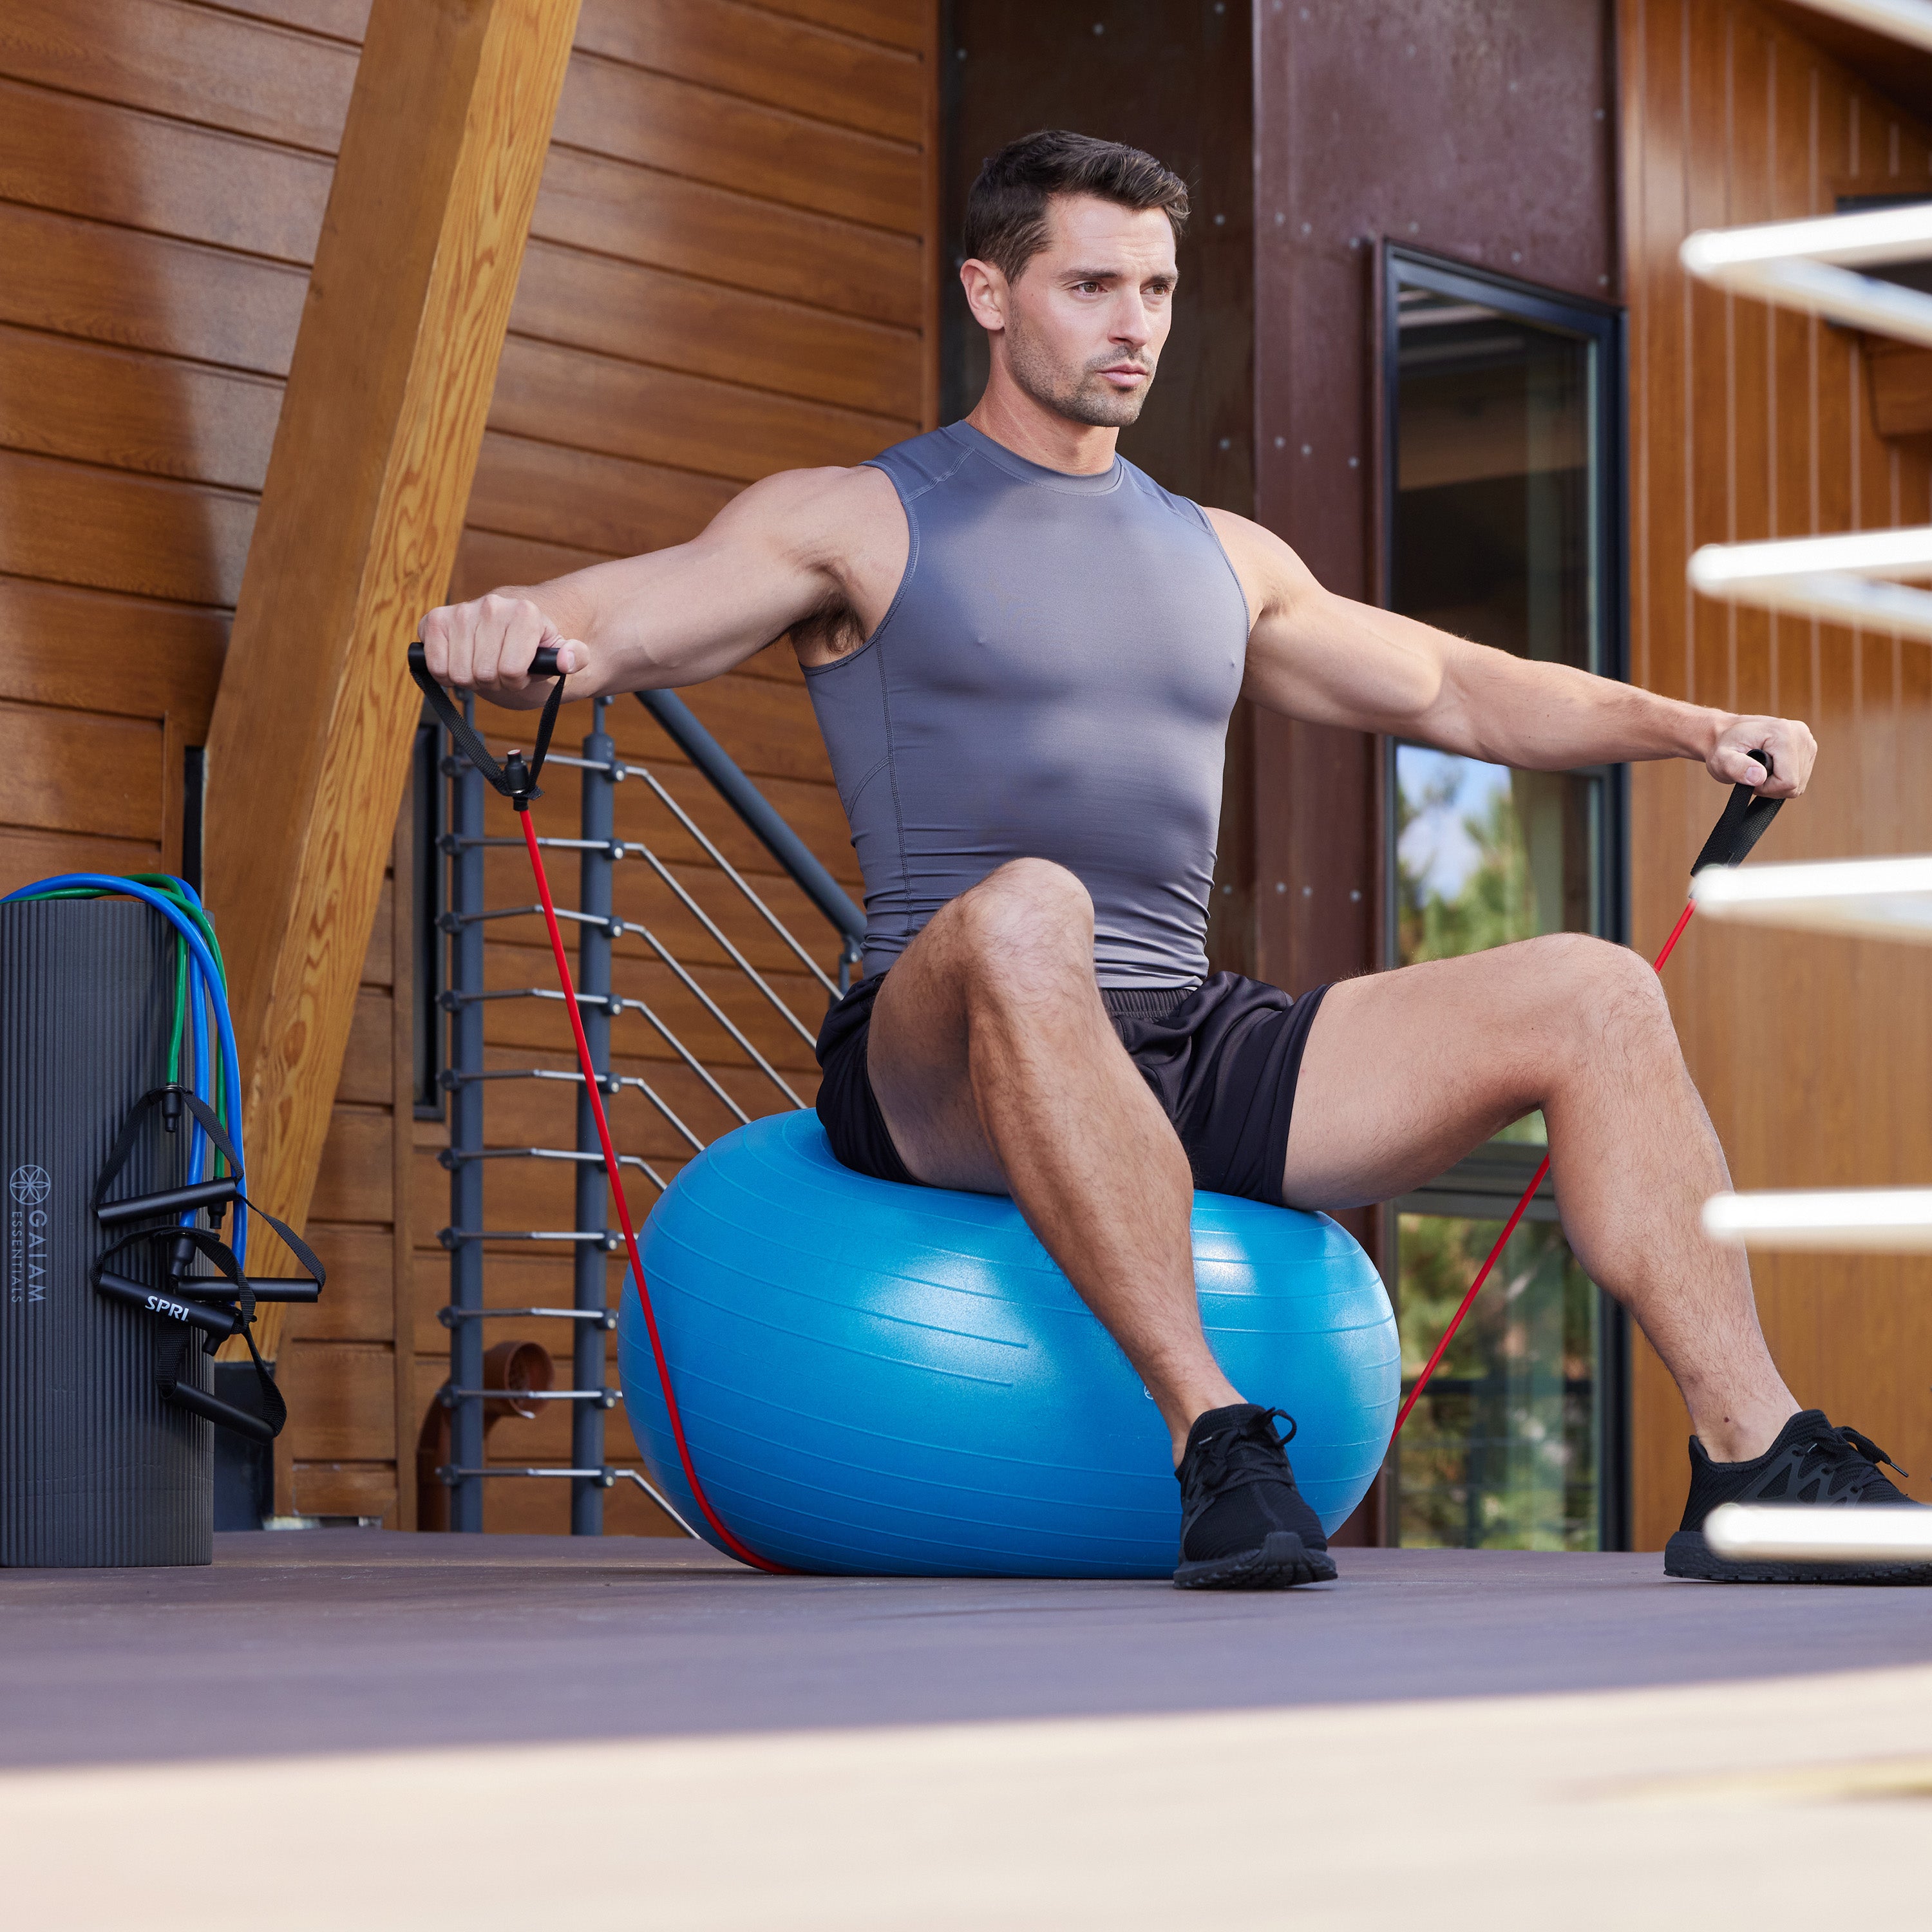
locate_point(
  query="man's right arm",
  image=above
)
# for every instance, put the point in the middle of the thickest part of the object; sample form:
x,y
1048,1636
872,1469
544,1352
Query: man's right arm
x,y
770,558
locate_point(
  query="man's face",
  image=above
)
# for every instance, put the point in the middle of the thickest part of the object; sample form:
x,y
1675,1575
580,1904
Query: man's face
x,y
1086,320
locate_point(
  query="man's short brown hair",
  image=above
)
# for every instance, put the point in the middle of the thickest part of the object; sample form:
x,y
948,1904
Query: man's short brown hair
x,y
1005,212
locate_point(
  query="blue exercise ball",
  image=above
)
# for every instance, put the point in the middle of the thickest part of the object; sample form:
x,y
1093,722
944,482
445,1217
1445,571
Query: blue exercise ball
x,y
880,1380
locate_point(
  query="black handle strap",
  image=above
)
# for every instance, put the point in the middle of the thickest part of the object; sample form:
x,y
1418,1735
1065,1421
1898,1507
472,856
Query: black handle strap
x,y
169,1097
1747,817
515,779
203,1240
290,1240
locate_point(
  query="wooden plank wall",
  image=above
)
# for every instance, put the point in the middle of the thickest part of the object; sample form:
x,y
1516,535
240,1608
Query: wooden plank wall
x,y
730,272
1813,1055
163,170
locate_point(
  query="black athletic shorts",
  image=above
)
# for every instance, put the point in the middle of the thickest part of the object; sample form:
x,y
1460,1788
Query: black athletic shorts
x,y
1221,1059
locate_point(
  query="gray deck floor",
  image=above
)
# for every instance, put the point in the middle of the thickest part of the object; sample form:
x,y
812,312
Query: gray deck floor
x,y
335,1640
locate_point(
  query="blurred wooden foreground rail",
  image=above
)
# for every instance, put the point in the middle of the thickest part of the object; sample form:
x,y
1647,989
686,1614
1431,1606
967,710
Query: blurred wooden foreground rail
x,y
1862,898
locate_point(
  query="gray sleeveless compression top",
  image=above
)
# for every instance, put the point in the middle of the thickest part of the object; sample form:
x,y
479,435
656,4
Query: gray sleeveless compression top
x,y
1052,680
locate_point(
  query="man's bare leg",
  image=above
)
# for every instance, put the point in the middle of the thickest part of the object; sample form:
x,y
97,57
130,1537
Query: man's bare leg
x,y
998,1072
1405,1072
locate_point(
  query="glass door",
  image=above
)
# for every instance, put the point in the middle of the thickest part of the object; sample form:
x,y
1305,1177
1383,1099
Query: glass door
x,y
1503,411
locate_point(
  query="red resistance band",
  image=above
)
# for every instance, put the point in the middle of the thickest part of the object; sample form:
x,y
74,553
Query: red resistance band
x,y
1743,822
615,1176
1509,1226
1746,817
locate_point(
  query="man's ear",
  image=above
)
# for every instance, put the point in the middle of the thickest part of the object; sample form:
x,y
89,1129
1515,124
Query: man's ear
x,y
986,293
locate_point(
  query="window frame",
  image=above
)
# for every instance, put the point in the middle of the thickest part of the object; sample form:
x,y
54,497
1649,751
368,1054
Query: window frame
x,y
1487,1184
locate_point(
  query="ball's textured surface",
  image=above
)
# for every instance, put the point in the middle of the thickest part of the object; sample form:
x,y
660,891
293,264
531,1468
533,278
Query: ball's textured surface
x,y
888,1380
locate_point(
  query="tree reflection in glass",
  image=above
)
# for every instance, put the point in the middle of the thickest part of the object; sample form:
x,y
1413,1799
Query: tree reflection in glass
x,y
1501,1452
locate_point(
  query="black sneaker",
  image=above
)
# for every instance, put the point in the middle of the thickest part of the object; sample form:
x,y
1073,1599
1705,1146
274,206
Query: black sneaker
x,y
1810,1462
1243,1524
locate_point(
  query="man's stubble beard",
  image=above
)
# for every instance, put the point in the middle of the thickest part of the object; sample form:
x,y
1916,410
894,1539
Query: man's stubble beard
x,y
1084,398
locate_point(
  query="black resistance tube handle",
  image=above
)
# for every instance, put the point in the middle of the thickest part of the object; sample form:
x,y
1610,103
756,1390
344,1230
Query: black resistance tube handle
x,y
170,1201
1747,817
217,1321
263,1287
543,664
223,1415
516,780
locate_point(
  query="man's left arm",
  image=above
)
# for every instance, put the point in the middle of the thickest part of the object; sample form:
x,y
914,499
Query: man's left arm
x,y
1315,655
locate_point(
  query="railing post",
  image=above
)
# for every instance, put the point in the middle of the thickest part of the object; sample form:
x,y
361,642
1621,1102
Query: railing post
x,y
466,1133
593,1201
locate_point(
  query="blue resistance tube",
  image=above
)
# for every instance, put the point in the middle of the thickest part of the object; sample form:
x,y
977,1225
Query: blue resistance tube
x,y
201,1161
213,997
205,995
890,1381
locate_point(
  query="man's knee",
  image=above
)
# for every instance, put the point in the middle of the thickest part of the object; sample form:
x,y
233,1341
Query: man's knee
x,y
1600,985
1029,916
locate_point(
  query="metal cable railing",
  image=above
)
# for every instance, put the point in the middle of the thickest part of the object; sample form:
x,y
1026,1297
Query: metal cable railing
x,y
725,1042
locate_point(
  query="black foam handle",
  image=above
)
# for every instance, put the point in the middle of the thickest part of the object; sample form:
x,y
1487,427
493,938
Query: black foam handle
x,y
514,778
263,1287
1746,817
224,1415
543,664
165,1307
170,1201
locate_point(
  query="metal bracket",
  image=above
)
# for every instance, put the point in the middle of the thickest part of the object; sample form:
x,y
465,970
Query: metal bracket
x,y
604,1398
604,1318
604,1478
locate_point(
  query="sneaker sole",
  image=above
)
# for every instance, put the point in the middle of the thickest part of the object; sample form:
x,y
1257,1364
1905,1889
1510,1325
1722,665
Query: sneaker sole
x,y
1283,1561
1686,1554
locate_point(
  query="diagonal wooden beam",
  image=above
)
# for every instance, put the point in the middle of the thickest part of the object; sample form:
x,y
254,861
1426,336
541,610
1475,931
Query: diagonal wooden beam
x,y
374,456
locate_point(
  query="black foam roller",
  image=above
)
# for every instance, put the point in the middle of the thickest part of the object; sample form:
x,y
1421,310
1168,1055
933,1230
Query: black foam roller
x,y
94,1468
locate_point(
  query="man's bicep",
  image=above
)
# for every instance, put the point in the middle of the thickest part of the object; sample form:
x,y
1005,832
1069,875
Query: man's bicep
x,y
1329,660
695,609
1322,658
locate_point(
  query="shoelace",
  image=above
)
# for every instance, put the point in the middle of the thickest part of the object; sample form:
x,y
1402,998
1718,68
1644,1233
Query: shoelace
x,y
1850,1455
1248,1451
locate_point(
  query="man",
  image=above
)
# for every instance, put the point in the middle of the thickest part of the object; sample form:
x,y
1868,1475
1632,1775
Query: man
x,y
1023,654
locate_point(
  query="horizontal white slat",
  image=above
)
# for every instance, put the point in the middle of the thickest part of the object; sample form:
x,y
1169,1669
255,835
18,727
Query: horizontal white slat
x,y
1907,20
1881,1220
1865,899
1796,1532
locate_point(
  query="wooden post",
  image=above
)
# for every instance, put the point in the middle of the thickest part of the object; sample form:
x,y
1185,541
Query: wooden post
x,y
374,453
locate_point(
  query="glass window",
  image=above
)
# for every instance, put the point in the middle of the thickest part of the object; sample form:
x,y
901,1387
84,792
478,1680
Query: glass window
x,y
1494,534
1484,855
1502,1450
1502,462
